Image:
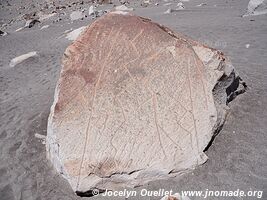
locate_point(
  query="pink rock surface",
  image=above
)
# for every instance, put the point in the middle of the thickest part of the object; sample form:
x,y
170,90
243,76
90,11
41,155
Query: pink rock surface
x,y
135,102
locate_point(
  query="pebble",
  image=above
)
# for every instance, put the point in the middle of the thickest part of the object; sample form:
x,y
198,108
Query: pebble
x,y
91,10
167,4
202,4
123,8
76,15
41,137
2,33
180,6
44,27
21,58
43,17
30,23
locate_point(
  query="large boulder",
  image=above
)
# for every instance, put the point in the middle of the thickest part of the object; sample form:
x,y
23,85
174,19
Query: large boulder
x,y
135,102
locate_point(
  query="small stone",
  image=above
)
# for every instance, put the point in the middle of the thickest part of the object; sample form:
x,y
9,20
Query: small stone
x,y
100,13
147,2
30,23
180,6
123,8
39,136
2,33
76,15
19,29
21,58
167,4
91,10
44,27
202,4
4,25
43,17
247,46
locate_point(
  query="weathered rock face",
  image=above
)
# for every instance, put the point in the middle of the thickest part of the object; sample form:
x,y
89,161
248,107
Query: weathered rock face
x,y
135,102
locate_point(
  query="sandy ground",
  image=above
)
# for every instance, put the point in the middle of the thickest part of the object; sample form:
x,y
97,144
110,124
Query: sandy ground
x,y
237,157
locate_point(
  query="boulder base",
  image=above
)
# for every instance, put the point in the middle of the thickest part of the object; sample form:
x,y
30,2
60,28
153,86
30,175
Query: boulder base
x,y
135,102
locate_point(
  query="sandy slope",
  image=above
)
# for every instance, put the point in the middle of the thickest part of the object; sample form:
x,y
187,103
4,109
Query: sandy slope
x,y
238,154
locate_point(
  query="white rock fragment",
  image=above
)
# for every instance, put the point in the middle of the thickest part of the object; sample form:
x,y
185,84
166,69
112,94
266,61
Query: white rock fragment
x,y
91,10
96,13
73,35
247,46
21,58
202,4
43,17
67,31
145,3
44,27
167,4
256,7
19,29
123,8
30,23
120,12
3,33
76,15
39,136
180,6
